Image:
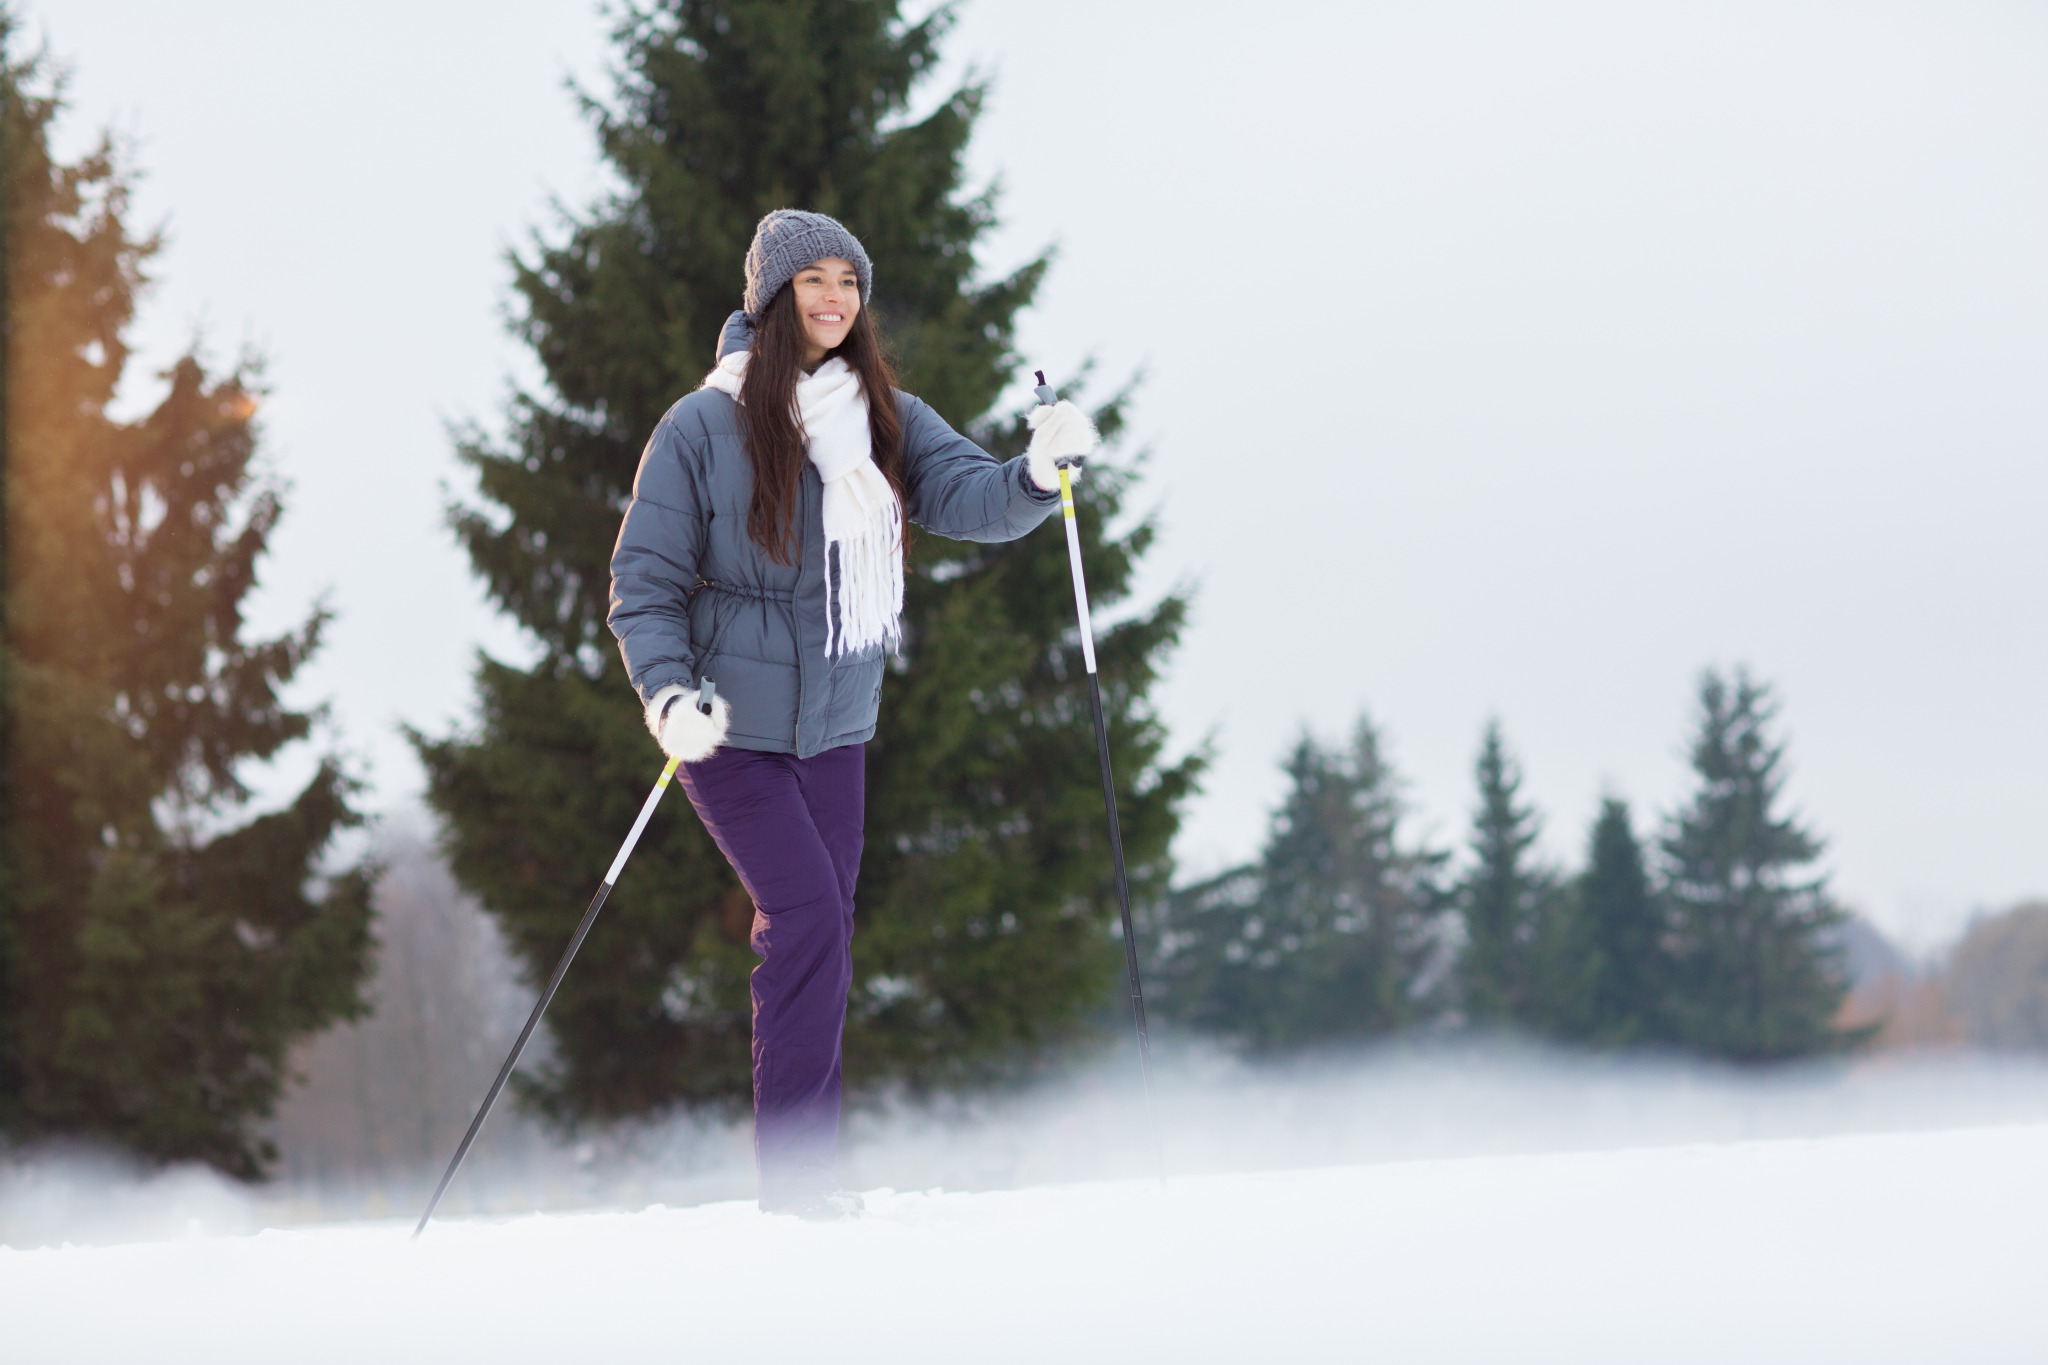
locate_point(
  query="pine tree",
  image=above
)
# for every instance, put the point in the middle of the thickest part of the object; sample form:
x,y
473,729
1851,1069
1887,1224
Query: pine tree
x,y
1627,922
1332,936
985,888
1606,960
1505,901
156,973
1758,970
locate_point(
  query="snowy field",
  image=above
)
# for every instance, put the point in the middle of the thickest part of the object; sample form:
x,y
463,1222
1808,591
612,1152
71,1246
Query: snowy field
x,y
1778,1232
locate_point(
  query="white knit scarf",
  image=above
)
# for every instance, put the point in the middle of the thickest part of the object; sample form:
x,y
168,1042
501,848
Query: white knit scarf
x,y
862,522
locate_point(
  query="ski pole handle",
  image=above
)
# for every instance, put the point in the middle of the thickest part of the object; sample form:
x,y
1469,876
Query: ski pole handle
x,y
1048,398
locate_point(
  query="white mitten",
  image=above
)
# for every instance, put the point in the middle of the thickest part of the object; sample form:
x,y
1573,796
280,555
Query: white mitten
x,y
1059,432
687,733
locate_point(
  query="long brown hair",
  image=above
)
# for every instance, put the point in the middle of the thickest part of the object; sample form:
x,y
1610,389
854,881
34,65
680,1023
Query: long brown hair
x,y
775,436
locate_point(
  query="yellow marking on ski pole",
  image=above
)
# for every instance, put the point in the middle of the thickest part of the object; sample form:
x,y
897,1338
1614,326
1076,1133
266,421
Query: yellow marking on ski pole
x,y
1067,491
668,772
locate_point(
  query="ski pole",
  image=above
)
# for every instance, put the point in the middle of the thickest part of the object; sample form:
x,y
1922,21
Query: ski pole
x,y
540,1006
1046,396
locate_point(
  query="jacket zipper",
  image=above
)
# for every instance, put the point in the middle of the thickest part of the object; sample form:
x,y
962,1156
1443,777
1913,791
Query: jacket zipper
x,y
795,618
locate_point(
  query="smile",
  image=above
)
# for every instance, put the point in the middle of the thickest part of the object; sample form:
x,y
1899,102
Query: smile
x,y
828,317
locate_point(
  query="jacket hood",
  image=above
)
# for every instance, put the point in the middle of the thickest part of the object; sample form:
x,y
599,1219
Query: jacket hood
x,y
736,335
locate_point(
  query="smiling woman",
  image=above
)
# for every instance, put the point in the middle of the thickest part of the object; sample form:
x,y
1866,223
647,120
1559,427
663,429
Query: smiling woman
x,y
761,560
984,897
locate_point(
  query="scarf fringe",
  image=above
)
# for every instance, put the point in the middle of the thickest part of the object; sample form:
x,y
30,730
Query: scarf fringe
x,y
864,566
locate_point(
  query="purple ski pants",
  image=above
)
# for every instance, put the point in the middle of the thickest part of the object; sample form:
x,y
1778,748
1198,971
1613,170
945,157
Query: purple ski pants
x,y
791,828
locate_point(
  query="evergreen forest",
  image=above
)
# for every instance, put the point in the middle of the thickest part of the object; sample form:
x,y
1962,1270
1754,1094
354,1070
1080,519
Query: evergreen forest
x,y
1710,934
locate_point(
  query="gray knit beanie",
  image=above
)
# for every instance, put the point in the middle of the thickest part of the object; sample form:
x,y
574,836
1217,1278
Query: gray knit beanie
x,y
787,240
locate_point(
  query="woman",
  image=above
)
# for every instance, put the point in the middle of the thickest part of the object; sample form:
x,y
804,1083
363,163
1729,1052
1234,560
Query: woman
x,y
763,552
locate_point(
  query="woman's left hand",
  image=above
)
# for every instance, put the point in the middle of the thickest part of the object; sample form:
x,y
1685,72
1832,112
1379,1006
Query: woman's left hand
x,y
1059,432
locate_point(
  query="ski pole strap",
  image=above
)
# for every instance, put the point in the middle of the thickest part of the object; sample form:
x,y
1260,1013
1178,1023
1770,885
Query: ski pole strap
x,y
706,690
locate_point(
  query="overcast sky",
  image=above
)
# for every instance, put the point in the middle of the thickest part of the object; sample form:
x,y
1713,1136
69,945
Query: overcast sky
x,y
1501,360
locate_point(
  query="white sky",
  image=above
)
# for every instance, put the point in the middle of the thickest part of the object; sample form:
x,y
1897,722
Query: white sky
x,y
1502,359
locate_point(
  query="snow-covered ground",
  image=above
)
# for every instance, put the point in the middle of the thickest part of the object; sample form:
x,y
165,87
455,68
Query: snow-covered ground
x,y
1919,1243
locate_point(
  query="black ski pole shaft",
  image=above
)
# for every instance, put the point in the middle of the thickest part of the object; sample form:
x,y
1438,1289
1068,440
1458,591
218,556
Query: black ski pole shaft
x,y
1116,838
540,1006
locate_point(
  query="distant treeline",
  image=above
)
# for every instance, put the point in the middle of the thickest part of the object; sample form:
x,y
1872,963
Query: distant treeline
x,y
1717,938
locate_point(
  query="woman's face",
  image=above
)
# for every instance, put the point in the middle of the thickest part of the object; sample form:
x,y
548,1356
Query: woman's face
x,y
827,298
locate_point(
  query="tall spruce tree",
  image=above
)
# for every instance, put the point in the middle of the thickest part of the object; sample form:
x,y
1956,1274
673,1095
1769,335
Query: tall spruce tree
x,y
1616,934
1758,970
155,975
1334,935
1506,901
985,893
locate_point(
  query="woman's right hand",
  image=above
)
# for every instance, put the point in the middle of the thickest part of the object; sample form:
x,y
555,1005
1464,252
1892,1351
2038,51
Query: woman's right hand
x,y
685,732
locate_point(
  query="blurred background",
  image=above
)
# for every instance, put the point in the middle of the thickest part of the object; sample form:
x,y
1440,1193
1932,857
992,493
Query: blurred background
x,y
1575,553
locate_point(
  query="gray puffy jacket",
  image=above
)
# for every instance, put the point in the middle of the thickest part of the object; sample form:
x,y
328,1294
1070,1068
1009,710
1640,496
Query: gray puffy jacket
x,y
693,596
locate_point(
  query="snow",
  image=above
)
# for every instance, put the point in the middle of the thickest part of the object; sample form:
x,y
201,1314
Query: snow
x,y
1902,1246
